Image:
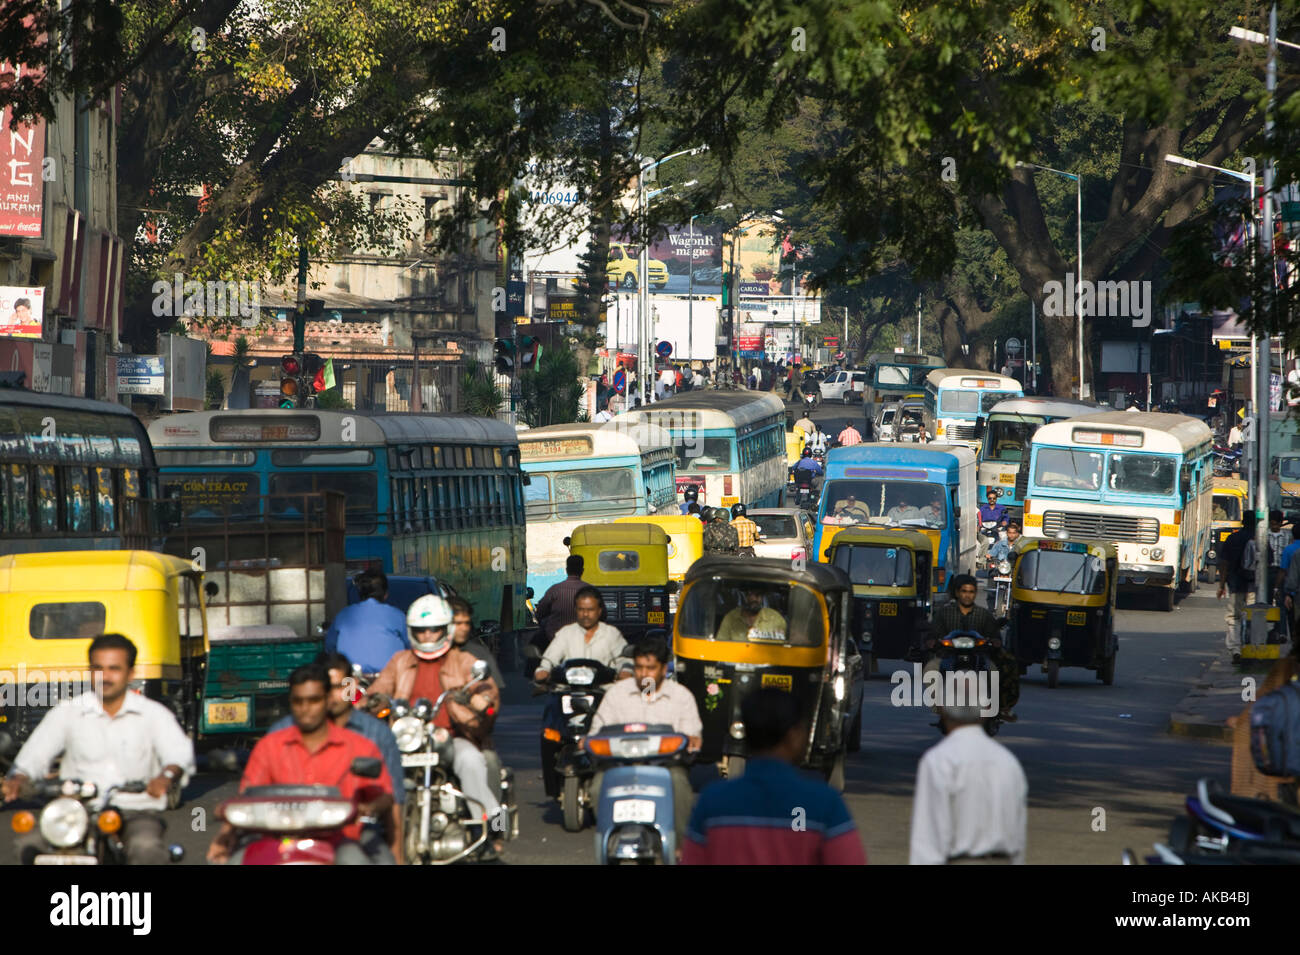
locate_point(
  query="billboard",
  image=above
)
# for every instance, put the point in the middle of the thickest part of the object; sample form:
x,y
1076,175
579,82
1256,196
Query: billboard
x,y
684,260
184,385
141,375
22,311
22,155
759,260
750,340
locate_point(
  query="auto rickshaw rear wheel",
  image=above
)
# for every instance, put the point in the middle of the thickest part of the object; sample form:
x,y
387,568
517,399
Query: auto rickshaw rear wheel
x,y
1107,672
733,766
835,775
1053,673
573,811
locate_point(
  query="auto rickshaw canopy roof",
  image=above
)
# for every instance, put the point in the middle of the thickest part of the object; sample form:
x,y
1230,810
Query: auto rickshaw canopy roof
x,y
1227,485
672,524
638,534
1103,549
889,537
81,570
822,577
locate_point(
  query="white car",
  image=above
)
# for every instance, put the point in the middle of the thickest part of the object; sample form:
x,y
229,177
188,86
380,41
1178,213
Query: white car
x,y
885,421
844,386
787,532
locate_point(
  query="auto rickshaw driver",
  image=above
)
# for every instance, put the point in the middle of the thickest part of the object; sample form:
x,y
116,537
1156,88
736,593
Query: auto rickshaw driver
x,y
752,620
850,507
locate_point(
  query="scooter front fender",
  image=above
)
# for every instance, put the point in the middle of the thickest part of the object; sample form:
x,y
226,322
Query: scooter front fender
x,y
653,784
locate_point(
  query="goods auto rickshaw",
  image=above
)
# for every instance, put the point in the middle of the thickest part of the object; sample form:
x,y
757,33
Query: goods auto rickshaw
x,y
890,571
1063,606
628,563
746,623
1226,507
51,606
685,545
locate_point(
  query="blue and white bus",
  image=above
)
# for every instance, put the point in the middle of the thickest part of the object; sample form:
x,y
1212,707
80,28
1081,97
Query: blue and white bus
x,y
1144,482
1005,436
729,444
427,494
893,485
956,400
580,473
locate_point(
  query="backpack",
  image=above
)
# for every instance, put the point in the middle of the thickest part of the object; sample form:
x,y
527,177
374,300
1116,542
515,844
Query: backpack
x,y
1275,732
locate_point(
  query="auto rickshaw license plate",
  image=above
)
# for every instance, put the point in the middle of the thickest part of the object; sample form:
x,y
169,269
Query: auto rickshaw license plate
x,y
1075,618
654,616
779,681
889,609
227,712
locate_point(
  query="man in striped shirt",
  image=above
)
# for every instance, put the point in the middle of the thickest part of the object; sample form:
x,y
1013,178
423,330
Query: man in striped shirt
x,y
773,814
746,530
849,437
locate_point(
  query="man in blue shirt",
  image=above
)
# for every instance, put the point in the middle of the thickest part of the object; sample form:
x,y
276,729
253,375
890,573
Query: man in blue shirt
x,y
992,510
690,496
807,467
338,707
369,632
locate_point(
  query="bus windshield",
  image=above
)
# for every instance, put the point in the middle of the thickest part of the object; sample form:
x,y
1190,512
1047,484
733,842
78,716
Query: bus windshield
x,y
744,611
888,502
875,565
703,454
1008,438
609,491
1142,473
1289,468
1068,470
1061,571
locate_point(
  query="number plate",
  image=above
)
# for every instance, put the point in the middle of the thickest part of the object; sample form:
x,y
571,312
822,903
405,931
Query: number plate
x,y
1007,478
779,681
227,712
654,616
889,610
419,759
1075,618
634,810
66,860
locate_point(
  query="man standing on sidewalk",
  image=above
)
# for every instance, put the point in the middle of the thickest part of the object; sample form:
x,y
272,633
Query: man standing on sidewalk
x,y
1235,579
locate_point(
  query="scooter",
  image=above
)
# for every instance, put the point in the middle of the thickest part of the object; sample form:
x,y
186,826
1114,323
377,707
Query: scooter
x,y
78,834
296,825
636,813
810,400
1220,829
577,687
967,651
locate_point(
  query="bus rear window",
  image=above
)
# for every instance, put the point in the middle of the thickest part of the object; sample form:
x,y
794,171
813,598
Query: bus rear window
x,y
206,496
703,454
204,457
359,487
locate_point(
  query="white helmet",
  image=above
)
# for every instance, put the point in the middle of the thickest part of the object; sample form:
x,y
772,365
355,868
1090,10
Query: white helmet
x,y
429,611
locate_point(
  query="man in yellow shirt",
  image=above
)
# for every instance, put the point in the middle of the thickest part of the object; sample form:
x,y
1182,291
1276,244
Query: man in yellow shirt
x,y
752,621
746,530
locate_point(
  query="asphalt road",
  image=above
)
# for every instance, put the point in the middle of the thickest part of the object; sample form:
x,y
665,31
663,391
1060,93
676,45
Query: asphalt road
x,y
1104,774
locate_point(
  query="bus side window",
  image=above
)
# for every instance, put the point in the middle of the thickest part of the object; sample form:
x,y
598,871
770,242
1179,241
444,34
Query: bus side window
x,y
105,516
19,500
76,488
47,500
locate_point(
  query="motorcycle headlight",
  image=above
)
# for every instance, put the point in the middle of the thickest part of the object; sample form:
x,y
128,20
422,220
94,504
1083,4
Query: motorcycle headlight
x,y
1004,567
963,643
64,822
580,676
737,730
409,731
1054,643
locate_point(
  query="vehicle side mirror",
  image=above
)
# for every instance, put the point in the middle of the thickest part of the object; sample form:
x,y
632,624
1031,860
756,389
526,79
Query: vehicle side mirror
x,y
211,589
566,541
489,628
367,767
671,586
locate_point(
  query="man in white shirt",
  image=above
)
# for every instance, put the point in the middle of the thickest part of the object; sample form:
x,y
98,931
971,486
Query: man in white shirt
x,y
697,380
110,737
971,798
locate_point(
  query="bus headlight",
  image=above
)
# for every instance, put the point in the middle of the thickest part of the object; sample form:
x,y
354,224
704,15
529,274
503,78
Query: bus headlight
x,y
1157,553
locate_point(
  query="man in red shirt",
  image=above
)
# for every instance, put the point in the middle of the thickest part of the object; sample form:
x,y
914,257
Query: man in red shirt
x,y
314,751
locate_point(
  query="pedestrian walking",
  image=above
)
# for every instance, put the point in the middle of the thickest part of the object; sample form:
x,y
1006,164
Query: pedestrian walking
x,y
971,802
1237,578
773,814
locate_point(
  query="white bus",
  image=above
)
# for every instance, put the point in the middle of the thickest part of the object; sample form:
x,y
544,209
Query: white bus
x,y
579,473
957,399
1144,482
1004,442
729,444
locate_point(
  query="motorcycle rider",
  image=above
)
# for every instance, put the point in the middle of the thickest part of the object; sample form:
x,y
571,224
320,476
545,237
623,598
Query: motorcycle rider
x,y
369,632
720,538
806,469
109,736
747,533
816,440
990,512
316,750
587,639
431,665
1002,549
464,638
961,613
339,708
650,698
690,496
804,427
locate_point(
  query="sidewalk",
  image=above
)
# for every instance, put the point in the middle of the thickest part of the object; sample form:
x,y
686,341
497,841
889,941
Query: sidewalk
x,y
1203,713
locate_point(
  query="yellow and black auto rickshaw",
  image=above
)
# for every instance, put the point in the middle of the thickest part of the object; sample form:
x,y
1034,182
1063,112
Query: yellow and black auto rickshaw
x,y
685,545
890,571
628,563
1063,606
1227,505
748,623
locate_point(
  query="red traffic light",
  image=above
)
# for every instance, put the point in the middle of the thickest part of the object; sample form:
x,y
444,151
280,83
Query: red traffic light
x,y
290,365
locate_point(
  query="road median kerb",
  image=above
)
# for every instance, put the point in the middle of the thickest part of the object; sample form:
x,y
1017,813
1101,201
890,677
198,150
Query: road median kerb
x,y
1203,713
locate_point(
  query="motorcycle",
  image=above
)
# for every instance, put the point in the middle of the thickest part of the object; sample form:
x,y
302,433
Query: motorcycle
x,y
66,820
437,809
810,401
999,594
1220,829
636,813
967,651
1227,461
577,687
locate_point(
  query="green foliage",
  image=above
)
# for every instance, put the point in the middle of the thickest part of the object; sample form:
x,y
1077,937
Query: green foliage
x,y
479,394
550,394
216,389
332,399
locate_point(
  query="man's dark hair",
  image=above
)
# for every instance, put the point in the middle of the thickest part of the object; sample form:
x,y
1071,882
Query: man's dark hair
x,y
574,565
693,508
1274,516
310,673
372,583
656,647
20,302
1015,524
586,592
1295,530
961,580
460,605
769,715
113,641
333,661
1248,520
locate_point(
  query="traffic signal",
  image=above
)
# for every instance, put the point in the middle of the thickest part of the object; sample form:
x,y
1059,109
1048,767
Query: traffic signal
x,y
290,369
529,349
505,356
313,367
